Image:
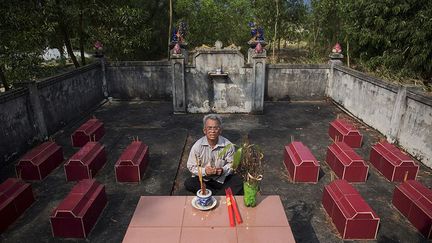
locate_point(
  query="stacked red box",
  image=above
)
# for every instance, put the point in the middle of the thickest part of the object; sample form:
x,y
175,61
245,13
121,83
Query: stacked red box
x,y
346,163
392,163
300,163
132,163
15,197
341,130
40,161
414,201
76,215
352,216
92,130
85,163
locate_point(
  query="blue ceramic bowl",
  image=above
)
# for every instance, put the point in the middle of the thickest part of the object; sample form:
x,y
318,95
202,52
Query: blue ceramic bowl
x,y
204,200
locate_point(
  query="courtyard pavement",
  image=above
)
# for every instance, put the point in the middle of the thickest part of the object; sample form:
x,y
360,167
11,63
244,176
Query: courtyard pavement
x,y
170,138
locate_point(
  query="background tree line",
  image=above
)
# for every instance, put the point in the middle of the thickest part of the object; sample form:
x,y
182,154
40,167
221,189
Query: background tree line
x,y
389,36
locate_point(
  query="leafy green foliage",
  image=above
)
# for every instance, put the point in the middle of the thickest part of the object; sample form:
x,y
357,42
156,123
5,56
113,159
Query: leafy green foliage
x,y
324,25
212,20
394,35
132,30
237,158
22,39
384,36
248,163
237,155
129,30
292,15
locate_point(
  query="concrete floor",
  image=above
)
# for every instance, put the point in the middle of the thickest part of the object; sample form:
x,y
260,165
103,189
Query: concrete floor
x,y
170,138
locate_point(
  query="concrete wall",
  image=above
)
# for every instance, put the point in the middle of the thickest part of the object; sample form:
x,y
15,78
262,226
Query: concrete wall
x,y
296,82
403,116
139,80
415,130
17,132
152,80
205,93
68,96
39,109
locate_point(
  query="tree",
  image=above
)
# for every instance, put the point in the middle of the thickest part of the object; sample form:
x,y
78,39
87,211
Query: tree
x,y
289,15
21,44
211,20
131,30
394,36
325,24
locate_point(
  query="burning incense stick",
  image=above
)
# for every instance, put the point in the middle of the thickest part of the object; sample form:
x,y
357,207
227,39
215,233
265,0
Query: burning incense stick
x,y
203,188
405,176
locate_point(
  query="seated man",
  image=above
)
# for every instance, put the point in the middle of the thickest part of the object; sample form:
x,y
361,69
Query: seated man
x,y
216,168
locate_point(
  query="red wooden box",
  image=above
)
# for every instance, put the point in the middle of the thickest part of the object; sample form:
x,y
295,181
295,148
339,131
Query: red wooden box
x,y
352,216
15,197
300,163
132,163
414,201
85,163
40,161
342,131
76,215
92,130
346,163
392,163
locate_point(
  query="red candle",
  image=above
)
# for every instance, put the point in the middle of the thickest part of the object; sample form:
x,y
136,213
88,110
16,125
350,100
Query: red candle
x,y
235,208
230,210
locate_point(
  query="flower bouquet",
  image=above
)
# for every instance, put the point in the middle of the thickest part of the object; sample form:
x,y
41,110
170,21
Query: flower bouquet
x,y
247,163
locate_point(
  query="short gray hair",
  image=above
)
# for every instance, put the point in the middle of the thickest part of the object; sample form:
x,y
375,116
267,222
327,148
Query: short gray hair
x,y
212,117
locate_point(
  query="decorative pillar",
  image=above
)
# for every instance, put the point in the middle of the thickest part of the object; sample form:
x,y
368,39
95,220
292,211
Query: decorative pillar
x,y
336,55
104,82
178,82
100,55
38,116
258,59
178,55
399,110
336,58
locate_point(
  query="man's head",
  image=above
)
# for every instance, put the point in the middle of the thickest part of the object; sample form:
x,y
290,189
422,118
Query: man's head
x,y
212,126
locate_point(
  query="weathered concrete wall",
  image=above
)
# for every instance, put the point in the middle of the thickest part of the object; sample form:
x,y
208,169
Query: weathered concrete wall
x,y
17,132
206,93
60,99
296,81
402,116
415,131
152,80
139,80
68,96
367,98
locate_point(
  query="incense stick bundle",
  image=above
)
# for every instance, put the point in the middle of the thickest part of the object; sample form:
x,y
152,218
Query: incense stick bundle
x,y
202,185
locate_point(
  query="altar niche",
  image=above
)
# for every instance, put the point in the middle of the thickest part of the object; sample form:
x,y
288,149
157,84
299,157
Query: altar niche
x,y
218,80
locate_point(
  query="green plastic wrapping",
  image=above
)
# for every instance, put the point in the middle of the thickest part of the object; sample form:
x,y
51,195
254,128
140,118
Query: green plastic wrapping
x,y
250,192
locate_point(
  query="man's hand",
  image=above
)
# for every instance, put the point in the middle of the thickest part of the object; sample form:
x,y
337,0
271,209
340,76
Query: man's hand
x,y
219,171
213,171
210,170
